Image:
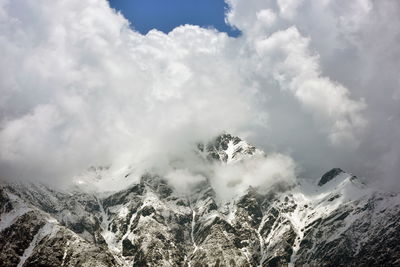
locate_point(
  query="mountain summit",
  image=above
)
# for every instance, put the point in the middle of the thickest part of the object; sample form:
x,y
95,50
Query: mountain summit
x,y
338,222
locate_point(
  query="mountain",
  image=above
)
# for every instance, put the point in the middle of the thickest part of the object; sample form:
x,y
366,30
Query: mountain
x,y
338,221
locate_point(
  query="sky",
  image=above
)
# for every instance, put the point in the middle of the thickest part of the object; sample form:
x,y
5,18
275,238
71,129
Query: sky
x,y
146,15
314,83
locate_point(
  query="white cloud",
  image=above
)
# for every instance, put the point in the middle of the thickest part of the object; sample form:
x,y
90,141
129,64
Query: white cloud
x,y
266,16
184,180
291,64
258,172
288,8
79,87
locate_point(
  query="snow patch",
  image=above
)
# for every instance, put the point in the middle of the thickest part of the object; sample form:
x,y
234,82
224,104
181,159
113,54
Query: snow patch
x,y
46,230
7,219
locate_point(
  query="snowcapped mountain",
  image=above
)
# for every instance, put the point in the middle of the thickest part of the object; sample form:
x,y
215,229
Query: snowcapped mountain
x,y
338,221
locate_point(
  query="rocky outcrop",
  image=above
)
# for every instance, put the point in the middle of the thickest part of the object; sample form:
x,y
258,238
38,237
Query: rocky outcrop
x,y
329,176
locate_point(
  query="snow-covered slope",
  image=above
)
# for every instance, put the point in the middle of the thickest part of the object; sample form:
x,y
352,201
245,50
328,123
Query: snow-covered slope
x,y
228,149
337,221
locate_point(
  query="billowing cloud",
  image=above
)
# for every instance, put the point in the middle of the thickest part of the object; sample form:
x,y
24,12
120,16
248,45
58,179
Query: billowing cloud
x,y
348,51
80,88
258,172
306,78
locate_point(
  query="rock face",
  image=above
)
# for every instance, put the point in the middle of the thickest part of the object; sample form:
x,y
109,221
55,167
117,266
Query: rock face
x,y
330,175
339,222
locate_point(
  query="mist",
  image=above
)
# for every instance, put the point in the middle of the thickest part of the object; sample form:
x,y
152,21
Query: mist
x,y
313,83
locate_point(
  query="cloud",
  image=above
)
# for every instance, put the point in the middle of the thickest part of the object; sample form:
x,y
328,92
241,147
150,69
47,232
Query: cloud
x,y
288,8
258,172
81,88
314,80
292,65
352,48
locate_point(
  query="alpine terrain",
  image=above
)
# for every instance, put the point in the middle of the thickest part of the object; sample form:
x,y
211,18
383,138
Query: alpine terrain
x,y
336,221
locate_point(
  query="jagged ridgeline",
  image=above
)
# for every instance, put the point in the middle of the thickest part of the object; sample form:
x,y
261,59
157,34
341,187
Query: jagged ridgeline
x,y
336,221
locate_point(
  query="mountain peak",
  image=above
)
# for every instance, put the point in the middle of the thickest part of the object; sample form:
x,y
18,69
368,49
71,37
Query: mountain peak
x,y
228,148
328,176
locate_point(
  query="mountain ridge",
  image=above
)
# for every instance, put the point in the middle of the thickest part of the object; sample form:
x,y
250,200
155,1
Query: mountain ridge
x,y
337,222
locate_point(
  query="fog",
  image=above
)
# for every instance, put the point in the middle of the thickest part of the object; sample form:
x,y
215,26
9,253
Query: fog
x,y
312,83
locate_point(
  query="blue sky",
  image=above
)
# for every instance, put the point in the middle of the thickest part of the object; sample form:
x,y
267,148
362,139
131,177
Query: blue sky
x,y
165,15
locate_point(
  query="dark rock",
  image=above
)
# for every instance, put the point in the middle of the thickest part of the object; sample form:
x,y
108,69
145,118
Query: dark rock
x,y
148,210
5,202
128,249
16,238
329,176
